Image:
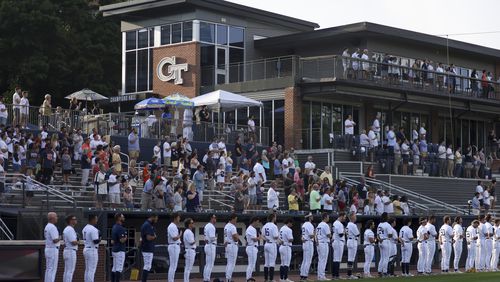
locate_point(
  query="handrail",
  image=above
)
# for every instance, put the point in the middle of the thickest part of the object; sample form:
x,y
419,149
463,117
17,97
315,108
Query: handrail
x,y
128,162
5,230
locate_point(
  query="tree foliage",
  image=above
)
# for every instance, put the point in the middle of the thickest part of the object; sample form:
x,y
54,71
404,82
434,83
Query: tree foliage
x,y
58,47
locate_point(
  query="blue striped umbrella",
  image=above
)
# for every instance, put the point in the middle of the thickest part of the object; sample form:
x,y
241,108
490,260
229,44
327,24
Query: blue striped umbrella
x,y
178,100
150,104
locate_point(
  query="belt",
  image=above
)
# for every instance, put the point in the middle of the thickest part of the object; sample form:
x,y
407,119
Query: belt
x,y
369,245
422,241
174,243
253,246
69,249
323,242
190,248
351,238
232,243
52,247
88,247
269,242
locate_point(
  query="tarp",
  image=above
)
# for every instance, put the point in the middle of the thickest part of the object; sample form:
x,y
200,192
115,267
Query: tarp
x,y
225,101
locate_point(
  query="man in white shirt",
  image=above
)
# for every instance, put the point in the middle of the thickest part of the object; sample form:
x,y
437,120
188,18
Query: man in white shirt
x,y
338,244
355,62
157,153
349,131
373,139
384,235
114,189
422,237
450,166
431,243
70,248
52,243
391,140
271,236
222,146
286,239
210,247
231,239
458,239
379,205
190,248
471,236
16,101
406,238
90,252
4,114
364,140
323,237
388,205
167,153
327,200
445,238
309,166
376,126
252,237
174,245
25,108
307,246
442,159
480,190
272,197
260,173
352,232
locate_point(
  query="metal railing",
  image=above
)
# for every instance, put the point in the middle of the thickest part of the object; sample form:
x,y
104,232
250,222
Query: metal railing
x,y
5,230
335,67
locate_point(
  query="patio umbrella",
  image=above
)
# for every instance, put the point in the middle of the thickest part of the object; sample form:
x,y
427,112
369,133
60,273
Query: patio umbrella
x,y
86,95
150,104
178,100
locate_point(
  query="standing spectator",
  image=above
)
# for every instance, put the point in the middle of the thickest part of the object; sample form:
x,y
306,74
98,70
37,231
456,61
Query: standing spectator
x,y
238,153
116,159
24,110
309,166
314,199
442,159
192,199
114,189
327,200
405,153
349,131
345,61
397,157
16,106
451,161
167,153
365,65
46,110
67,167
355,62
251,127
260,174
220,174
486,200
159,192
147,195
133,144
493,193
239,199
272,197
376,126
265,162
128,194
277,166
178,199
85,165
101,186
476,204
4,114
493,143
157,152
48,164
199,181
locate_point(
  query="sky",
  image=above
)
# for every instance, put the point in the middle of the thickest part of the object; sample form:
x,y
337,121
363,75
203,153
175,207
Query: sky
x,y
468,21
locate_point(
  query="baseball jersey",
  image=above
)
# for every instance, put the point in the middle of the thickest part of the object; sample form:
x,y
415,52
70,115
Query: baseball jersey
x,y
395,237
367,235
471,234
383,230
421,231
406,234
481,231
173,231
432,232
188,238
90,234
286,235
147,229
458,233
489,230
307,231
496,233
229,231
69,235
118,232
209,232
51,233
323,233
250,235
270,231
338,231
352,231
446,233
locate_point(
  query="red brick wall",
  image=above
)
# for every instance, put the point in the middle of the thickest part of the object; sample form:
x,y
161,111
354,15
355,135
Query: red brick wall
x,y
293,118
184,53
100,274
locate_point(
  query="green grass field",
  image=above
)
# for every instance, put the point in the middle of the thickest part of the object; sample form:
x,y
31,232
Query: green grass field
x,y
466,277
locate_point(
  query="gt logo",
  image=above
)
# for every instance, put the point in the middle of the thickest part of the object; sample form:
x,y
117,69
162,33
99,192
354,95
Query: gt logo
x,y
174,70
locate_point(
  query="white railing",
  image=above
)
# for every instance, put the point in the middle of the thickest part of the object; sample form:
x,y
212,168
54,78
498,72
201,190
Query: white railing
x,y
5,230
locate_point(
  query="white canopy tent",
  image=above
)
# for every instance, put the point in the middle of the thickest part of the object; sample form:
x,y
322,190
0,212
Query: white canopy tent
x,y
224,101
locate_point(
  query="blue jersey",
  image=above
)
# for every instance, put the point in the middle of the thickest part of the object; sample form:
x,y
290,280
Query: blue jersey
x,y
147,229
118,232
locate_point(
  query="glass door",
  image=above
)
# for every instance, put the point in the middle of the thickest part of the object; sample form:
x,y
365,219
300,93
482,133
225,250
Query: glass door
x,y
222,70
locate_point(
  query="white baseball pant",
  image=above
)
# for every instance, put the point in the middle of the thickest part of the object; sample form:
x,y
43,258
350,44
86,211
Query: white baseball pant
x,y
270,254
369,253
147,258
422,256
173,257
480,254
210,250
308,252
487,254
118,261
494,256
431,250
51,260
471,255
385,253
231,255
91,259
457,251
189,256
445,256
252,259
338,250
323,250
285,255
69,256
352,249
406,252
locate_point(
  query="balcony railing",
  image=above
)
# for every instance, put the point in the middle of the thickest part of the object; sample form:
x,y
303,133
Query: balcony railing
x,y
397,76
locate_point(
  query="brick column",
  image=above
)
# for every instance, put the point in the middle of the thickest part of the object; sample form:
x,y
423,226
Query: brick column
x,y
293,118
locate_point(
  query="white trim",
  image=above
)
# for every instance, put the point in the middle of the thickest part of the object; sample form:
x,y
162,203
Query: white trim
x,y
157,35
124,56
196,30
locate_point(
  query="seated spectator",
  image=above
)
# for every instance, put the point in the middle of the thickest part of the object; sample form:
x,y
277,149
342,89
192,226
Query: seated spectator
x,y
475,205
128,195
327,173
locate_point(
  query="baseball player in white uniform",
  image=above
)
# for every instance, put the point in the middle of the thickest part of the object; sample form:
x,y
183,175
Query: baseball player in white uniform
x,y
384,234
352,232
70,248
496,246
481,244
422,237
431,243
52,243
210,247
489,243
231,240
91,245
445,237
338,244
323,237
271,235
471,237
458,241
307,246
286,239
252,237
174,245
406,239
369,246
190,247
393,247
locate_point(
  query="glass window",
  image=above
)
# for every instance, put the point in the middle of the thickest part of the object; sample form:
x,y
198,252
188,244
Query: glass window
x,y
236,65
337,120
236,36
130,68
242,116
142,38
130,40
207,64
207,32
306,124
151,37
316,125
326,121
255,112
187,31
176,33
142,70
279,121
165,35
151,72
221,58
221,34
221,78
